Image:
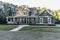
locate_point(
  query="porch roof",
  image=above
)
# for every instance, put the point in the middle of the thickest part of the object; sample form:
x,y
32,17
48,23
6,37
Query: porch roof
x,y
26,16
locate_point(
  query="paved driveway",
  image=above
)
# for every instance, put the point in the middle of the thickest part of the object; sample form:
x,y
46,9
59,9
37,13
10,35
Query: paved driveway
x,y
28,35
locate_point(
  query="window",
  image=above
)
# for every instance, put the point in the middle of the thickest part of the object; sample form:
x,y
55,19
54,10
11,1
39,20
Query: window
x,y
41,20
49,20
10,19
25,13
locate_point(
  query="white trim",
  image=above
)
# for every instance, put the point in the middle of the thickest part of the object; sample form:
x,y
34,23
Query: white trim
x,y
14,19
49,20
47,11
26,20
7,19
41,20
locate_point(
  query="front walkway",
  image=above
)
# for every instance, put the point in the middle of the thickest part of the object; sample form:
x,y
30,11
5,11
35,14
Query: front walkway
x,y
18,28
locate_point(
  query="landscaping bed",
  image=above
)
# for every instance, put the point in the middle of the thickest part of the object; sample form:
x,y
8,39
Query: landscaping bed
x,y
7,27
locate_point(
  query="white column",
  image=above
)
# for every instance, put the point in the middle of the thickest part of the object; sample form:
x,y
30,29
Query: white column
x,y
50,20
42,20
7,19
26,20
20,20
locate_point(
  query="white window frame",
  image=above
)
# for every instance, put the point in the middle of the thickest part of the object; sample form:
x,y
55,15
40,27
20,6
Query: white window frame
x,y
49,20
41,20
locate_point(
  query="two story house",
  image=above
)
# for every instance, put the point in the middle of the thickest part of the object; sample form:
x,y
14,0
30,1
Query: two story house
x,y
28,16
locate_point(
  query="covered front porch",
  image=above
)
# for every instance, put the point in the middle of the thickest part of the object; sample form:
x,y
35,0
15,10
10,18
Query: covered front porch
x,y
22,20
30,20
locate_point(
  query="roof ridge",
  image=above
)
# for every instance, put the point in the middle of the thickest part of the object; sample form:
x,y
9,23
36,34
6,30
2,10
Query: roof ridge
x,y
50,12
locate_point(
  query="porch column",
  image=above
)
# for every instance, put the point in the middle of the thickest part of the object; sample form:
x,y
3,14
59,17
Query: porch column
x,y
14,20
7,19
26,20
20,20
42,20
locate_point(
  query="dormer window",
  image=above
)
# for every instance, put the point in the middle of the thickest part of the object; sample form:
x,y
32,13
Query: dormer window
x,y
25,13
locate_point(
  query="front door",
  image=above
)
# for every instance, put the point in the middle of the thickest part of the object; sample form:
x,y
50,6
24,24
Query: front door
x,y
45,20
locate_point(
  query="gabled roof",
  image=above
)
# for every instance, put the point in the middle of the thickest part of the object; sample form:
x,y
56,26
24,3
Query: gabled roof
x,y
31,9
46,13
37,14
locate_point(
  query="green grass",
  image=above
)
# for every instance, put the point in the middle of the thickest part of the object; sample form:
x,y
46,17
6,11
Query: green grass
x,y
43,29
40,26
7,27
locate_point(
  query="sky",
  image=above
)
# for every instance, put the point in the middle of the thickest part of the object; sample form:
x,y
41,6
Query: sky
x,y
51,4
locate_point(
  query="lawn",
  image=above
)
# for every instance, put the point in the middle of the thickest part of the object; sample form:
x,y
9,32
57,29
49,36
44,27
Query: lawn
x,y
42,28
7,27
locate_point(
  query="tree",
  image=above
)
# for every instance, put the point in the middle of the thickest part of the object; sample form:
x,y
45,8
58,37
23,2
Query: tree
x,y
8,9
10,12
2,19
56,13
